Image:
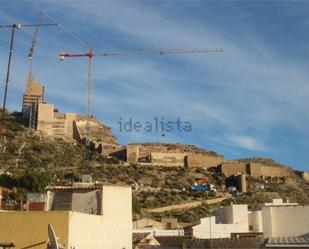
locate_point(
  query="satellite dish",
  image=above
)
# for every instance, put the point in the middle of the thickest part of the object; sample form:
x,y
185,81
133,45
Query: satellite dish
x,y
53,243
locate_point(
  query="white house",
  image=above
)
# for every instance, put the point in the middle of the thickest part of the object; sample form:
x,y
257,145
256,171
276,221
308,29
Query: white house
x,y
228,219
279,221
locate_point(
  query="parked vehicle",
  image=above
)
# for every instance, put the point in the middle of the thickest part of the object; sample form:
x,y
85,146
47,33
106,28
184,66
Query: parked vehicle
x,y
202,188
231,189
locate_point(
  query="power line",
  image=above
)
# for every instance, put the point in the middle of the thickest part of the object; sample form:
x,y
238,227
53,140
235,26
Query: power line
x,y
16,35
11,20
6,41
13,28
84,44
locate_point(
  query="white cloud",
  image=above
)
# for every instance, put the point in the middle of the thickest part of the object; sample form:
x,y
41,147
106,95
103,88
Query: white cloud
x,y
247,142
250,86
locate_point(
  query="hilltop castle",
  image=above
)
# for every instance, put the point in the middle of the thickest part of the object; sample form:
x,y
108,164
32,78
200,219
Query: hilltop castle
x,y
49,122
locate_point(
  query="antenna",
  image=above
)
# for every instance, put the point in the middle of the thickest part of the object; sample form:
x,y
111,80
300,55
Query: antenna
x,y
53,243
13,28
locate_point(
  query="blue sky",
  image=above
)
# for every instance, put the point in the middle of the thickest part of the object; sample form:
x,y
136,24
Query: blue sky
x,y
250,100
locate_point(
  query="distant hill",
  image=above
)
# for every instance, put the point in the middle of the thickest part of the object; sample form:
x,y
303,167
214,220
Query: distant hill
x,y
24,148
179,147
29,163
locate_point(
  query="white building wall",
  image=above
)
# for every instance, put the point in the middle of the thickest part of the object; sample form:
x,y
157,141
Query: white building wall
x,y
112,230
234,214
279,202
255,221
209,229
285,220
159,232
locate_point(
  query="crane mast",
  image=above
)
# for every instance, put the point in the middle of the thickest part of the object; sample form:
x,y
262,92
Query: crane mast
x,y
13,27
33,43
90,54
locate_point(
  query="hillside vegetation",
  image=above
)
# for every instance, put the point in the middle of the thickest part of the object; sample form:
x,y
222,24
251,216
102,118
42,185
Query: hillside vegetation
x,y
30,163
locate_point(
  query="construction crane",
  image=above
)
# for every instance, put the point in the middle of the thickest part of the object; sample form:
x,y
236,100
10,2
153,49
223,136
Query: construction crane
x,y
33,43
13,28
90,54
33,107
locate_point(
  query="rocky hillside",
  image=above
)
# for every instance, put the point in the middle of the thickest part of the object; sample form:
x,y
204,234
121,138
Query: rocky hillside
x,y
25,149
181,148
98,131
30,163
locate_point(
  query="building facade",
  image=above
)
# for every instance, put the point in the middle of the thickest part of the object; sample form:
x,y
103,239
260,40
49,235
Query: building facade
x,y
111,229
32,97
285,220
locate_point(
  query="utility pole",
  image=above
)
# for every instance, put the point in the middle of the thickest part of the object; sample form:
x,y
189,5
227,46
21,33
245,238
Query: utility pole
x,y
13,28
210,244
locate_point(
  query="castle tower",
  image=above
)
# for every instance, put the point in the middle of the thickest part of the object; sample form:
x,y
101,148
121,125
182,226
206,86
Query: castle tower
x,y
33,95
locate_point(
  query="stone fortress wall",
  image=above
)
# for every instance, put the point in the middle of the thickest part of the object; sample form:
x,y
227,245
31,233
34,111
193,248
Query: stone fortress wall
x,y
171,155
232,168
179,155
51,123
254,169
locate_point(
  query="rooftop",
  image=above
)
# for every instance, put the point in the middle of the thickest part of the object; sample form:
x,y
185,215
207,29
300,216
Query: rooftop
x,y
296,241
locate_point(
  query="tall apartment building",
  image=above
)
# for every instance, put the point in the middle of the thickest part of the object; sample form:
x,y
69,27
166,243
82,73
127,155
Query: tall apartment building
x,y
33,95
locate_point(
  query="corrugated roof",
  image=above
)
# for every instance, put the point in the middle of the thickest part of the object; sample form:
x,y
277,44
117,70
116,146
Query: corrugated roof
x,y
81,186
171,240
137,238
289,240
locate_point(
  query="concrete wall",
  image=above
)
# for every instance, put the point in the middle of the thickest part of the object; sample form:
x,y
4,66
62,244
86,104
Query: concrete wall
x,y
234,214
146,223
285,220
69,119
50,123
232,168
29,229
132,153
254,169
45,118
151,224
117,210
112,230
87,201
280,202
255,221
167,155
203,160
167,159
241,182
209,229
229,219
79,200
264,170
